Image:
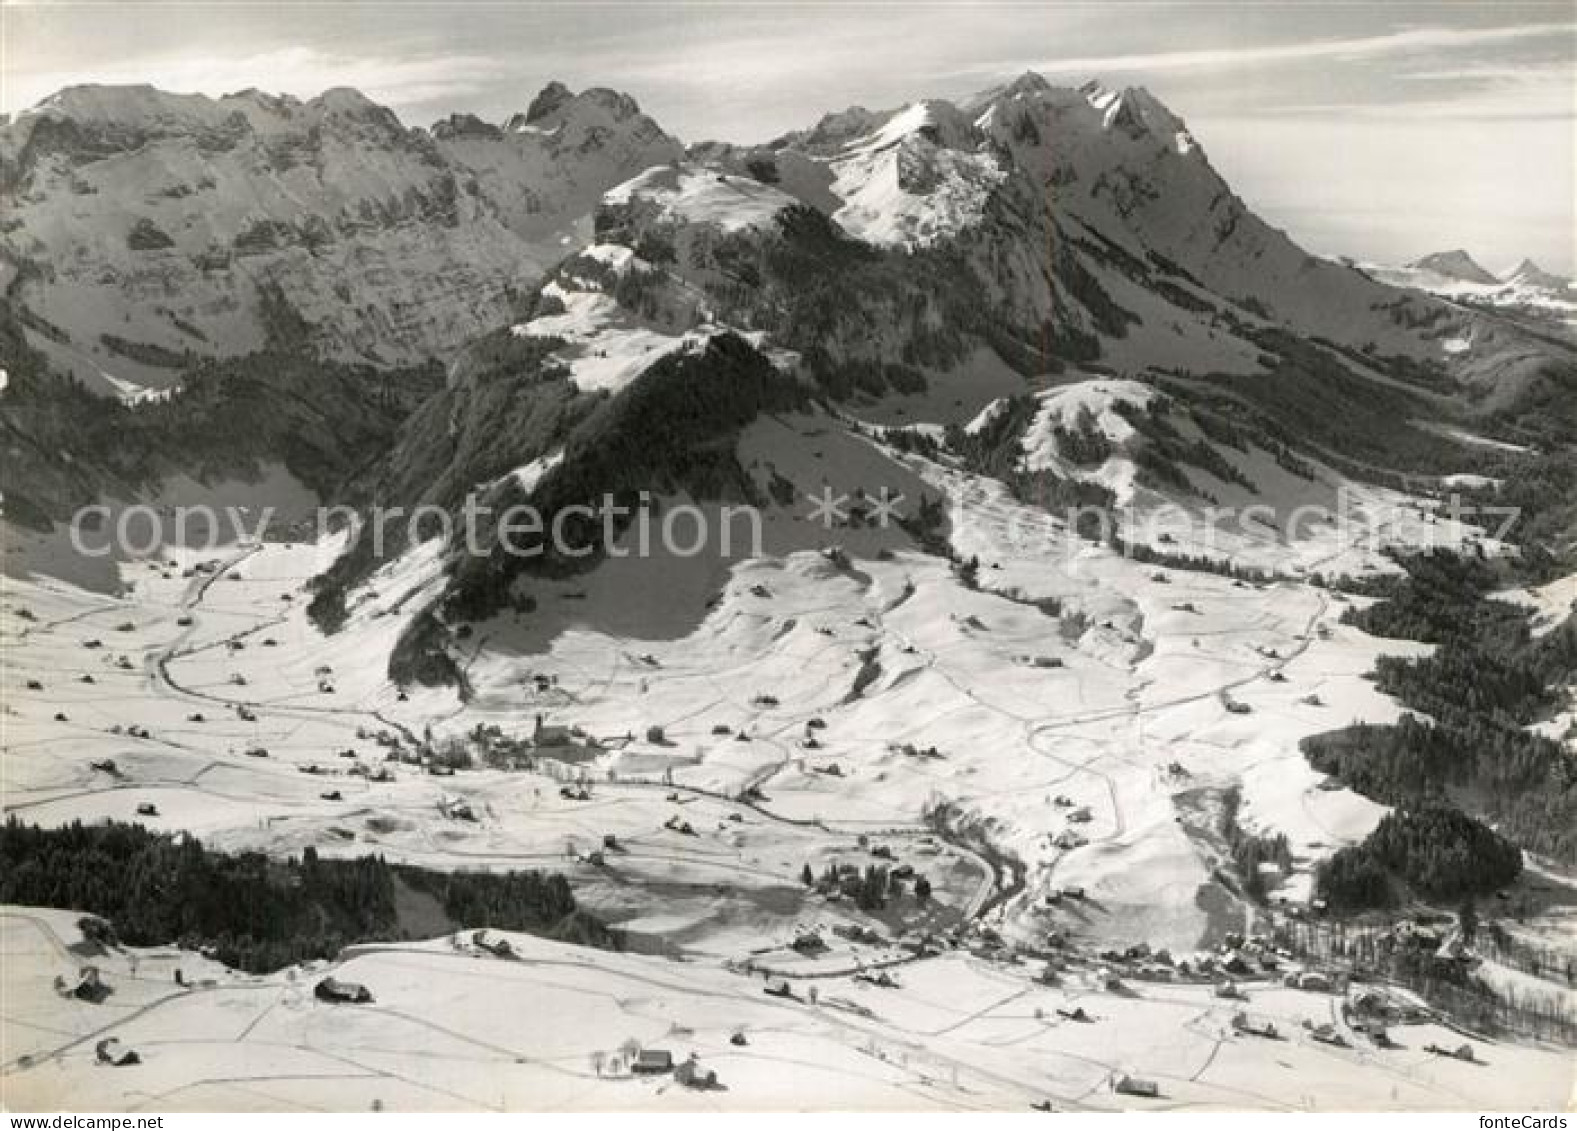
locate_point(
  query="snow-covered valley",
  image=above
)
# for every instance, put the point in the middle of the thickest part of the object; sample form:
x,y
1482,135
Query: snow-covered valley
x,y
913,791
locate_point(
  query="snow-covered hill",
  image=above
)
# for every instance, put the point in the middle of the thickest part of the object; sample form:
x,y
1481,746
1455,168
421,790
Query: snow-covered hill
x,y
1527,290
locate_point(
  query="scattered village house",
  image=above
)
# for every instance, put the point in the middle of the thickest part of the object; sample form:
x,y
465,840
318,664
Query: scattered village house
x,y
550,734
112,1051
652,1062
333,990
89,986
692,1075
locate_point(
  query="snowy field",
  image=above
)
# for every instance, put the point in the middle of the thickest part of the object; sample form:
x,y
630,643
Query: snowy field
x,y
1082,714
446,1030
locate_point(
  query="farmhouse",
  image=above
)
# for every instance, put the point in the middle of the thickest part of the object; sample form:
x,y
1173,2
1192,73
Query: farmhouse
x,y
809,942
1310,980
692,1075
499,948
111,1051
1243,1023
1134,1086
88,987
652,1062
333,990
1328,1034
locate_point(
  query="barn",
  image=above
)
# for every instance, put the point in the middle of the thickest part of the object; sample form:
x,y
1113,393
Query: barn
x,y
333,990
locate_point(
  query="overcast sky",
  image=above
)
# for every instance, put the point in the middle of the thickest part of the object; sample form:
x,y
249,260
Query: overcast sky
x,y
1381,130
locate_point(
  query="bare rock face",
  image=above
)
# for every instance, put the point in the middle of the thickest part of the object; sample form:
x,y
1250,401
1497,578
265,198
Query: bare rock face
x,y
548,99
1458,265
144,228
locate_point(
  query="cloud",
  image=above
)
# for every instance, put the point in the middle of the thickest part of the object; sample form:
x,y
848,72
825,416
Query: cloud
x,y
1472,93
1413,40
301,71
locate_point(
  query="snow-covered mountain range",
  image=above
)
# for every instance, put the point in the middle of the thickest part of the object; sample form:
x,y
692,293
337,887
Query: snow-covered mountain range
x,y
1526,288
146,228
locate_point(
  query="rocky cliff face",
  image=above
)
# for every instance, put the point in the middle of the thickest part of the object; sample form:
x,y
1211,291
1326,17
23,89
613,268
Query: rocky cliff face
x,y
143,228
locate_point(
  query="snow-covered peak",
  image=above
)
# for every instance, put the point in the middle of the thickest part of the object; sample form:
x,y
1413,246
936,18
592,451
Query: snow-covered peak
x,y
557,109
919,175
1030,83
835,130
689,195
458,126
90,122
1456,264
933,120
548,100
1090,410
159,112
1134,111
95,102
603,345
1530,274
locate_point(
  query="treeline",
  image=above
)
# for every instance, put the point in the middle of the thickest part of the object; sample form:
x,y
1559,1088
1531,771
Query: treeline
x,y
1522,782
1488,664
1435,852
1198,563
1487,679
671,429
1441,598
535,902
1085,443
1540,488
1167,448
1251,851
66,446
255,913
1463,684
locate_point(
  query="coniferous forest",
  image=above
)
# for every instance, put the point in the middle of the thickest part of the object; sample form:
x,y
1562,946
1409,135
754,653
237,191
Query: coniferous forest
x,y
1436,851
258,914
1487,679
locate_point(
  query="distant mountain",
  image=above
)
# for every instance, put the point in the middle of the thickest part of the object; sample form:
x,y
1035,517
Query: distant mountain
x,y
1530,274
1458,265
1527,295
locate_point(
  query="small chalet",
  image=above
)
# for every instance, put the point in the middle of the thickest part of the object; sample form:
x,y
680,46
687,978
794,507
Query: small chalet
x,y
692,1075
333,990
112,1052
1134,1086
652,1062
